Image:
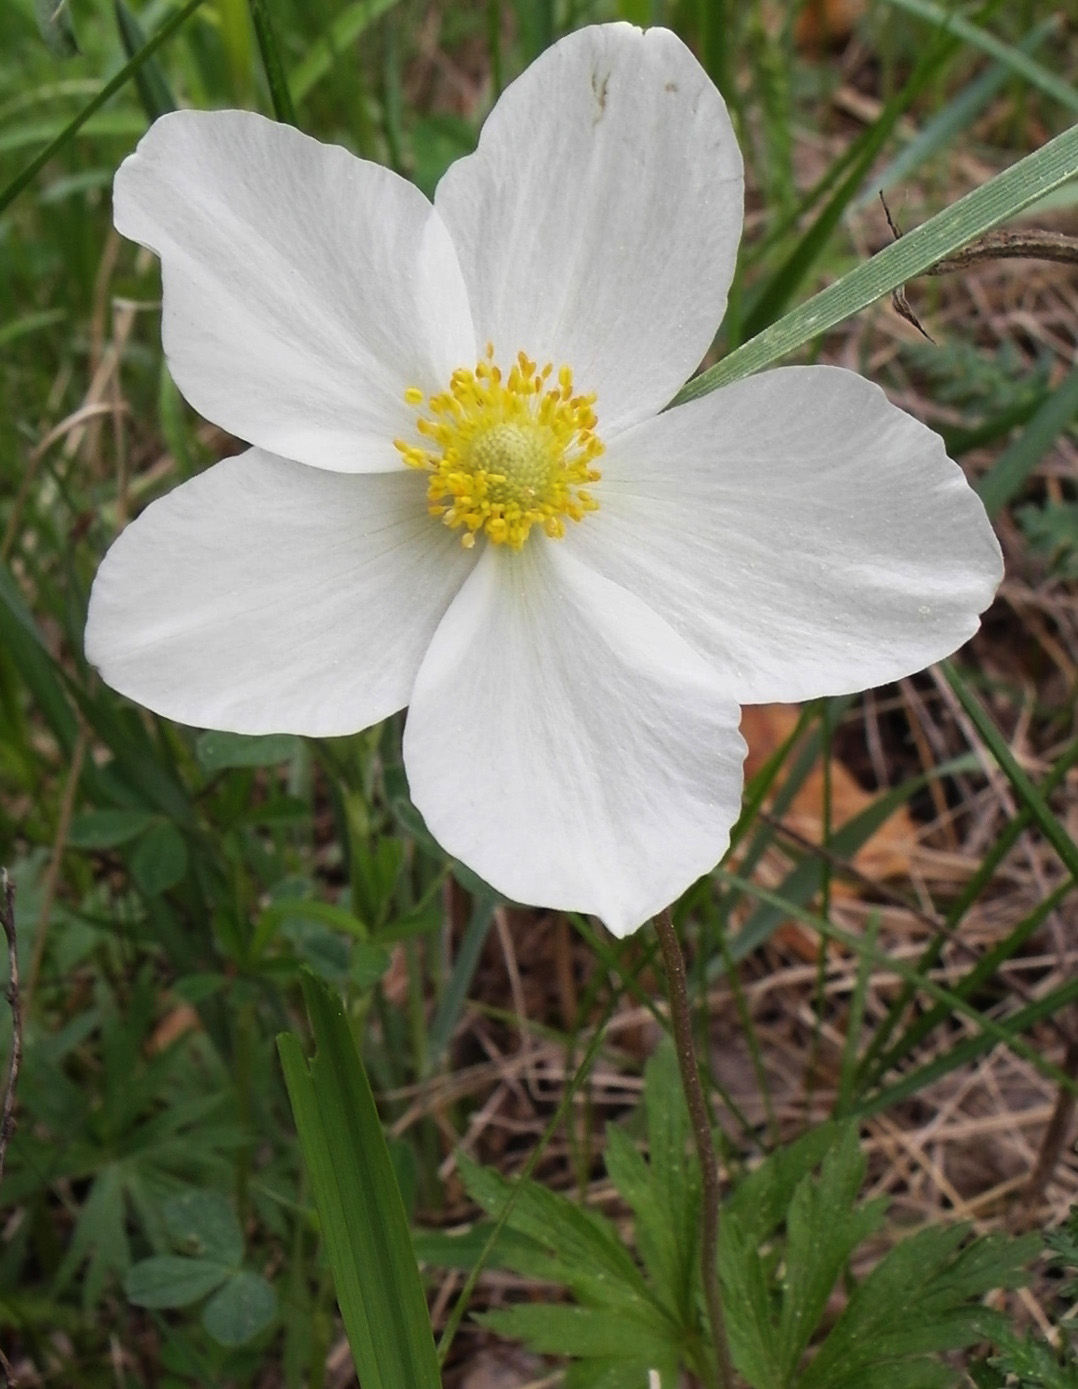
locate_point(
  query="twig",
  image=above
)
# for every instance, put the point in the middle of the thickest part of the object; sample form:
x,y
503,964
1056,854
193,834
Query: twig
x,y
681,1019
1035,244
7,919
1052,1145
7,1112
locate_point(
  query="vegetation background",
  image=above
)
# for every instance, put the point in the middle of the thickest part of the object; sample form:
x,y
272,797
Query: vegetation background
x,y
893,938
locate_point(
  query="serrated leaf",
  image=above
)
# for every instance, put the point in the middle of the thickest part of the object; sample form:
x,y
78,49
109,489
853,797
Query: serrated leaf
x,y
823,1228
922,1298
169,1280
244,1306
159,859
583,1250
762,1199
745,1286
604,1332
203,1224
218,751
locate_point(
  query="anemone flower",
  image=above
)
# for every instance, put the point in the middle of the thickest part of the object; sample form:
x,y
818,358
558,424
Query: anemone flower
x,y
463,493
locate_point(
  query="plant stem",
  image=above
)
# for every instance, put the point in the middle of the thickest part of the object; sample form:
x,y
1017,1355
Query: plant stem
x,y
681,1018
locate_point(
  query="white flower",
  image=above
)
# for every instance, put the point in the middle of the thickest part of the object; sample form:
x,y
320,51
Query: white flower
x,y
573,725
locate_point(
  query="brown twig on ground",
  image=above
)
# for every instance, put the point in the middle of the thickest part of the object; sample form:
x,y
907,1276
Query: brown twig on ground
x,y
1035,244
7,1112
1052,1144
7,920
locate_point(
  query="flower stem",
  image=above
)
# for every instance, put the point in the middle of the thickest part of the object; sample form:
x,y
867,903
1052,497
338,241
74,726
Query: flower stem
x,y
681,1019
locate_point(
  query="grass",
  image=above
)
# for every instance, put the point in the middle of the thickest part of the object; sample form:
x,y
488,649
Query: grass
x,y
892,939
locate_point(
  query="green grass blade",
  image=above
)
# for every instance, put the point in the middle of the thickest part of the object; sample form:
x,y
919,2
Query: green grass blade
x,y
782,285
451,1002
363,1221
344,31
1011,469
153,89
1001,197
1019,63
1048,824
955,118
874,1064
111,87
272,65
993,1031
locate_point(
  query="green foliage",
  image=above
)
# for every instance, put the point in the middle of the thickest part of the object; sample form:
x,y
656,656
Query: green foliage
x,y
203,1226
790,1231
359,1204
1029,1362
164,875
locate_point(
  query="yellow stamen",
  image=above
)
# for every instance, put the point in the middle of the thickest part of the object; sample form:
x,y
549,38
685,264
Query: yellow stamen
x,y
505,453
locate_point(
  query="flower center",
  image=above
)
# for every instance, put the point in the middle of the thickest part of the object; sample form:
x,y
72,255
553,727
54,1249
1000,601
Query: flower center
x,y
506,453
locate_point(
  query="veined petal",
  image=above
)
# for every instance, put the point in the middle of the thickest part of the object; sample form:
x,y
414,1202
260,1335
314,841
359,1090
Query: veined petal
x,y
597,223
800,531
304,289
567,745
264,596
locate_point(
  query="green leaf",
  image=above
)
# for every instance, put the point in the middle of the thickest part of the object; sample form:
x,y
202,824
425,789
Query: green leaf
x,y
362,1217
105,829
169,1280
203,1224
618,1334
823,1228
664,1193
150,80
159,859
216,751
1001,197
761,1200
272,65
110,88
55,26
921,1299
582,1248
244,1306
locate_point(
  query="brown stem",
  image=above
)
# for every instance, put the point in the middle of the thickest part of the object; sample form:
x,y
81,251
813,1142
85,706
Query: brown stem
x,y
681,1019
7,1107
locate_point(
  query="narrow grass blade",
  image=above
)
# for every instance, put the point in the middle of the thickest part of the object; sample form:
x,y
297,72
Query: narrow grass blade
x,y
962,222
1019,63
344,30
452,999
957,116
780,288
875,1063
363,1221
1048,824
272,65
150,81
111,87
1008,474
993,1031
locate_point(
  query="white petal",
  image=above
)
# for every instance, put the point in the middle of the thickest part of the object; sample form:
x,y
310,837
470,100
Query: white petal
x,y
304,289
597,223
799,530
567,745
264,596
